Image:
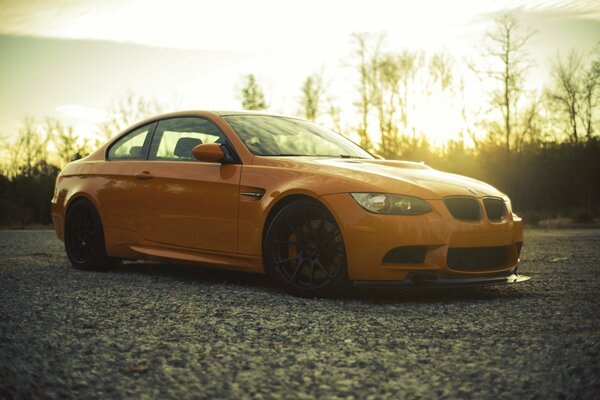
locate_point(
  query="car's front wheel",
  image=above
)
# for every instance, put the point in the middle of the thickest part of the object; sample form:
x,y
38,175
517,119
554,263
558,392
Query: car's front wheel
x,y
304,250
84,238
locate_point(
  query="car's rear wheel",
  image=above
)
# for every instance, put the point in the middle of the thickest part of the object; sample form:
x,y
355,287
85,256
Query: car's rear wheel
x,y
84,238
304,250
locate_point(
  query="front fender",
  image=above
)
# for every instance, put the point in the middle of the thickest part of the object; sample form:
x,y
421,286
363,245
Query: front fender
x,y
277,184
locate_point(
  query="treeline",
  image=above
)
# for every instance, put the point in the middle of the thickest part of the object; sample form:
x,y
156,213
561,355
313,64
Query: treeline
x,y
25,198
544,180
540,147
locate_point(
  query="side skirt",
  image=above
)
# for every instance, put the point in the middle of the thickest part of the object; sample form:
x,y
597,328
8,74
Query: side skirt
x,y
235,262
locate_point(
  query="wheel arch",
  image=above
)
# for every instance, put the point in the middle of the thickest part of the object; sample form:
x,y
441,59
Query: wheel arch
x,y
276,206
80,196
77,197
333,284
97,259
283,201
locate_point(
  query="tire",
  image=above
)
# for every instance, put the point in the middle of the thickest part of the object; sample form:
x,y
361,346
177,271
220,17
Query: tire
x,y
303,250
84,239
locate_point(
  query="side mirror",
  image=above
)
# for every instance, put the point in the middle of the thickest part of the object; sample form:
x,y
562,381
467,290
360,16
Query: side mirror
x,y
213,152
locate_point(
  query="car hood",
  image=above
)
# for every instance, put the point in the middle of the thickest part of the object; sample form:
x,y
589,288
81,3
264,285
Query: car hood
x,y
401,177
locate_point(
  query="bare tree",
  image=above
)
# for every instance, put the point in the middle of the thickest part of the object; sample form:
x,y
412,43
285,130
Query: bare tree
x,y
128,110
566,90
573,91
440,69
11,152
471,118
253,97
529,129
393,88
367,52
507,47
334,111
590,95
386,100
387,87
312,92
28,151
409,64
68,145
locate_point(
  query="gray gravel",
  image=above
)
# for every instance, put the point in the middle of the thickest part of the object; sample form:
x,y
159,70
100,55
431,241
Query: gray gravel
x,y
167,331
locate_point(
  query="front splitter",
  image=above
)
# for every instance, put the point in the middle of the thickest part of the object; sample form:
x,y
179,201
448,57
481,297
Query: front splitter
x,y
435,280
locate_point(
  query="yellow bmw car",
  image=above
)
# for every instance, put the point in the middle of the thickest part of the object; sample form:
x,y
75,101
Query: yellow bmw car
x,y
285,197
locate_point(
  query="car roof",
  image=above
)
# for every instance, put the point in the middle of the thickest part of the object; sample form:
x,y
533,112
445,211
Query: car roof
x,y
248,112
220,113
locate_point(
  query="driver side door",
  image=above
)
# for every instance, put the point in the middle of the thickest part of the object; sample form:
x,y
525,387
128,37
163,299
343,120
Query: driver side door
x,y
186,202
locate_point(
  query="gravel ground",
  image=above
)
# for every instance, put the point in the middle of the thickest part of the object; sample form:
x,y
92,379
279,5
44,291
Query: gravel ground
x,y
167,331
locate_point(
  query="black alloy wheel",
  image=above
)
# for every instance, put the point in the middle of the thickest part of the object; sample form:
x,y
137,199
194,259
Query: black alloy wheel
x,y
304,250
84,238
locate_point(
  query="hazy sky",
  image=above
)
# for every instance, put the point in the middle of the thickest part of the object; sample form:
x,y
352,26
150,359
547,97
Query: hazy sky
x,y
71,59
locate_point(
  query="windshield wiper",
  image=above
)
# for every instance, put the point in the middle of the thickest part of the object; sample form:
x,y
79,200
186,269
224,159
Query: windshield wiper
x,y
283,155
351,156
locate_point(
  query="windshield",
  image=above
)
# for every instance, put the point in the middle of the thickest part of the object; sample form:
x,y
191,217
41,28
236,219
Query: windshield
x,y
267,135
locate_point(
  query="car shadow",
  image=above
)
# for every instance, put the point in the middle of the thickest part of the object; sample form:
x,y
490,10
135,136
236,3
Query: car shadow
x,y
215,275
441,295
194,273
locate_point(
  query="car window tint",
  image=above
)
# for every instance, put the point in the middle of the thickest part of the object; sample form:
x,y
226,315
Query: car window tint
x,y
175,138
132,146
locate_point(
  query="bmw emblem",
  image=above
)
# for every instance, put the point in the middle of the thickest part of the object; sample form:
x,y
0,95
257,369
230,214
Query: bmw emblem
x,y
473,191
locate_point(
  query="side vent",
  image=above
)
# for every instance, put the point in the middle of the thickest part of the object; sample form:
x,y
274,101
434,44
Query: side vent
x,y
252,193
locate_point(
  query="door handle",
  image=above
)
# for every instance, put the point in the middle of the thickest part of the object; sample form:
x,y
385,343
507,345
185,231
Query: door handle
x,y
144,175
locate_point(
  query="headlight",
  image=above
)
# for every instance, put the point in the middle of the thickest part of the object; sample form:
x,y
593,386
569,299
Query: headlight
x,y
381,203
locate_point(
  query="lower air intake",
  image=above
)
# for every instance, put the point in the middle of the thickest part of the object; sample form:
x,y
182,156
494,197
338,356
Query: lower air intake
x,y
477,258
406,255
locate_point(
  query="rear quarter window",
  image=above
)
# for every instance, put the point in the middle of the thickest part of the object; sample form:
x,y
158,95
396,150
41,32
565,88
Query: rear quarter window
x,y
132,146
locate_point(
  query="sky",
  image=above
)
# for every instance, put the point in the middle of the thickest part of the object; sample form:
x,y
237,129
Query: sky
x,y
72,59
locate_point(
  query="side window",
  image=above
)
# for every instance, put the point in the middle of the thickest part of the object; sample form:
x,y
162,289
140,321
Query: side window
x,y
132,146
175,138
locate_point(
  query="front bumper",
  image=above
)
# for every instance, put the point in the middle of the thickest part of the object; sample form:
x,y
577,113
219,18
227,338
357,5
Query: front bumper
x,y
369,237
436,280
